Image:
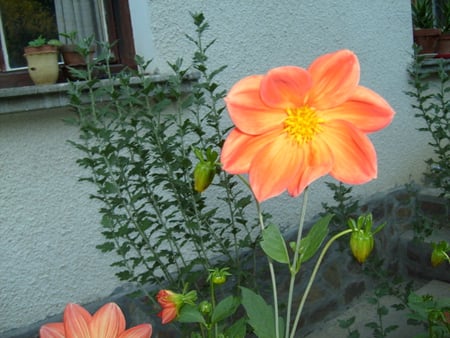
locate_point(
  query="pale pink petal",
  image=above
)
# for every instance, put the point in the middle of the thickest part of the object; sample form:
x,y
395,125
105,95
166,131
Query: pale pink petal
x,y
76,321
365,109
52,330
107,322
355,159
140,331
275,167
247,111
285,87
239,150
335,77
318,162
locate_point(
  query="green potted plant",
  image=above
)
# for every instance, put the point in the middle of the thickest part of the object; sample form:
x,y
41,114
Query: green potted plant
x,y
42,60
425,33
76,52
443,46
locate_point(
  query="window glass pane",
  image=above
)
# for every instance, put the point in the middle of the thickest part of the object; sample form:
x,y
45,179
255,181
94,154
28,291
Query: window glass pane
x,y
23,21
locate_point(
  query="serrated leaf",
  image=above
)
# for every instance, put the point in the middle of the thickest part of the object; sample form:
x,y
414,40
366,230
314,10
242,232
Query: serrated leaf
x,y
273,244
261,316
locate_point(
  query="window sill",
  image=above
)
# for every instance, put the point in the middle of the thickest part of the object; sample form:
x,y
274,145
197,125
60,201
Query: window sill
x,y
33,98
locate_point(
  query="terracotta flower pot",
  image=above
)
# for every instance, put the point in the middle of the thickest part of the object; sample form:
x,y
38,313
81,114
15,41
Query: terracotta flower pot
x,y
443,46
42,64
74,60
72,57
427,39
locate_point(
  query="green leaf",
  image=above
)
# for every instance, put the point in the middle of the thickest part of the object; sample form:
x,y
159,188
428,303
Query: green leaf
x,y
190,314
273,244
237,330
224,309
346,323
312,242
261,316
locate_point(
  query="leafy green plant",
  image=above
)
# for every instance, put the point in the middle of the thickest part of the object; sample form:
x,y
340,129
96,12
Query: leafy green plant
x,y
346,324
345,208
433,314
41,41
422,13
444,22
432,103
137,137
390,284
422,225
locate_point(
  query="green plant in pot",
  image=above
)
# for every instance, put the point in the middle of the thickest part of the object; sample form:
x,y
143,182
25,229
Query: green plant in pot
x,y
76,53
426,34
42,59
443,48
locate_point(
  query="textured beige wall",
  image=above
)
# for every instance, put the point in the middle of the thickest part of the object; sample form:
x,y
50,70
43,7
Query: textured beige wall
x,y
49,227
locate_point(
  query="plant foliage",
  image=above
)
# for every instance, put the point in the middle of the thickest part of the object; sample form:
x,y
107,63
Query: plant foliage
x,y
432,104
138,137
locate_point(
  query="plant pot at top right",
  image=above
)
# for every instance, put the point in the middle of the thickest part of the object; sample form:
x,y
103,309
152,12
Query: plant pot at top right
x,y
443,46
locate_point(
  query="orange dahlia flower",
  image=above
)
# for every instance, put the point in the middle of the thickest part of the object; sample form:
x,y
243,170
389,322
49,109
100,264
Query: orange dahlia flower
x,y
171,303
107,322
294,125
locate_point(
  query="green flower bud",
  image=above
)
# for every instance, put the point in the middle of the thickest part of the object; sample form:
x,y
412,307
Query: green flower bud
x,y
439,253
205,307
361,239
361,245
205,169
218,276
203,175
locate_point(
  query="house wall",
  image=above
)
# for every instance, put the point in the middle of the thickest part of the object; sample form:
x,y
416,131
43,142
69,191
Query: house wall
x,y
49,226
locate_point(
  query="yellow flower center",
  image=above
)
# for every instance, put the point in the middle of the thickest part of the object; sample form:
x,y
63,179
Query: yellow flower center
x,y
302,124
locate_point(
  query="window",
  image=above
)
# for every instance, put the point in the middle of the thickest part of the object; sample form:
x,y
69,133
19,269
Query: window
x,y
22,21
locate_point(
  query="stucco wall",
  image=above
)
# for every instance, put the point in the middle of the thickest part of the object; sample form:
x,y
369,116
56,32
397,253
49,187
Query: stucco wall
x,y
49,227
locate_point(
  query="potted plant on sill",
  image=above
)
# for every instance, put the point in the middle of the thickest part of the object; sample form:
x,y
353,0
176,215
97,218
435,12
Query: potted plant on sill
x,y
443,47
76,53
42,60
425,33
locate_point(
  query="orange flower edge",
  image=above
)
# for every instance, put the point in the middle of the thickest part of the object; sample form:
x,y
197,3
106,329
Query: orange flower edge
x,y
170,303
107,322
295,125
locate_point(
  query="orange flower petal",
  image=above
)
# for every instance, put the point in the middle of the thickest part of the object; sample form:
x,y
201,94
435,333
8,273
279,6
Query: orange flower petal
x,y
285,87
365,109
76,321
164,298
335,77
247,110
355,159
140,331
318,162
52,330
107,322
168,314
273,168
239,150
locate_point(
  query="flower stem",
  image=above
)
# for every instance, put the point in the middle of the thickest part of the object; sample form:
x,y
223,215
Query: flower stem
x,y
313,275
293,268
271,268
